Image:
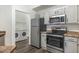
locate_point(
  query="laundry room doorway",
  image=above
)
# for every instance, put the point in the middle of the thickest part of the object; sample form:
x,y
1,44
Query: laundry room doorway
x,y
21,29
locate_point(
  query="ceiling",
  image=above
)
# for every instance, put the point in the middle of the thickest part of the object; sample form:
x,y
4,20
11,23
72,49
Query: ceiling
x,y
41,7
25,8
32,7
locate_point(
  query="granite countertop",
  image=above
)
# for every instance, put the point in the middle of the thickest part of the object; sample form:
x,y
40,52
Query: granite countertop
x,y
72,34
7,49
2,33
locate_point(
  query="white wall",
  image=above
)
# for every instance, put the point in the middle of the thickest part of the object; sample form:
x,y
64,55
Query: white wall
x,y
6,22
28,21
13,25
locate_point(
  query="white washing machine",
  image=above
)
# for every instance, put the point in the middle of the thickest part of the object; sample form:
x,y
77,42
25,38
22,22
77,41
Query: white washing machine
x,y
20,35
24,35
17,35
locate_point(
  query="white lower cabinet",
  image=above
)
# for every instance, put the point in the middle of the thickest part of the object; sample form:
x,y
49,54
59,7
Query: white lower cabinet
x,y
78,45
43,41
78,48
70,45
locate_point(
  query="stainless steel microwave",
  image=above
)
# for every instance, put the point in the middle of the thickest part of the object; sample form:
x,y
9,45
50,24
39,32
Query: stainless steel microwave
x,y
59,19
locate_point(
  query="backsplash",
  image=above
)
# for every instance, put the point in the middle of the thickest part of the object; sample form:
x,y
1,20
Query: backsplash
x,y
70,27
73,27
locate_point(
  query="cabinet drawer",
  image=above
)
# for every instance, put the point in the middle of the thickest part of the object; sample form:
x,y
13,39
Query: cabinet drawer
x,y
43,41
71,39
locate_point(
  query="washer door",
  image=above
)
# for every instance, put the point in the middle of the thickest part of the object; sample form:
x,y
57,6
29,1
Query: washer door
x,y
16,35
24,34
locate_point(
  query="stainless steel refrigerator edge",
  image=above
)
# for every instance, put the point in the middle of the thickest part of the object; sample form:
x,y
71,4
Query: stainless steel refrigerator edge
x,y
35,39
36,28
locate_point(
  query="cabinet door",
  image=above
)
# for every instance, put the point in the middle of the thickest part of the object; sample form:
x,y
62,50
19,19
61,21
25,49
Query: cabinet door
x,y
78,45
60,11
43,41
51,12
57,11
78,48
71,14
46,17
70,46
78,13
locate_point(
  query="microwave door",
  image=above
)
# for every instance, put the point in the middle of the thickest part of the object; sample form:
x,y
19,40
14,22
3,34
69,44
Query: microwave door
x,y
57,20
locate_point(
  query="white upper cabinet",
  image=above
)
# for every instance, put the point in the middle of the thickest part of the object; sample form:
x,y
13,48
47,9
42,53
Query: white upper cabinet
x,y
57,11
51,12
78,13
46,17
71,14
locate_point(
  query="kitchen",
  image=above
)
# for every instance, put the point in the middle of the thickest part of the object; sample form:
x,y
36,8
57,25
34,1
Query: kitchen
x,y
56,19
54,28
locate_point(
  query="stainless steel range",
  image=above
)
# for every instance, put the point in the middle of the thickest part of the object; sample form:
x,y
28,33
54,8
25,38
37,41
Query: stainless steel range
x,y
55,41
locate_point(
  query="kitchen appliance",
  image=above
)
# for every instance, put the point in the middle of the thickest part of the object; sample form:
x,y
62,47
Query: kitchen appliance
x,y
18,35
59,19
24,34
55,40
37,26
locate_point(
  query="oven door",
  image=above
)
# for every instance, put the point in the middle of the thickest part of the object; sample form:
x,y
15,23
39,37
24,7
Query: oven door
x,y
55,41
